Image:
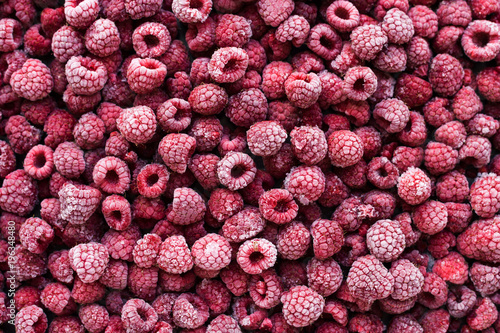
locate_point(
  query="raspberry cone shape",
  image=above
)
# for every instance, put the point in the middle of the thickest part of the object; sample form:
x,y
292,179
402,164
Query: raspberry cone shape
x,y
309,144
86,76
484,195
137,124
89,261
477,241
211,252
174,256
265,138
446,74
414,186
345,148
27,84
176,149
302,306
328,238
145,75
385,240
187,207
102,38
369,279
78,202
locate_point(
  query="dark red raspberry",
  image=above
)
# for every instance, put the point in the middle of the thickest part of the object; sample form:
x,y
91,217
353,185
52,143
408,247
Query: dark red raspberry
x,y
484,198
439,158
483,315
412,90
179,86
201,36
293,241
265,289
487,84
86,293
18,193
434,291
431,217
7,159
21,134
116,211
460,301
247,107
425,21
302,306
232,31
367,41
327,238
35,41
446,74
453,187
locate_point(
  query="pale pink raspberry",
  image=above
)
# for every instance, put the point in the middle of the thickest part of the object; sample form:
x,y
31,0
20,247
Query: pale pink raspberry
x,y
187,207
274,76
408,280
476,150
324,41
146,251
385,240
137,124
12,35
86,76
345,148
31,319
265,138
398,26
481,40
32,81
78,202
295,29
151,40
414,186
302,306
38,163
343,16
112,175
89,261
81,14
324,276
392,114
36,235
306,183
144,75
256,255
278,206
484,195
425,21
303,89
483,125
228,64
367,41
174,256
189,11
176,149
369,279
453,134
236,170
211,252
273,13
102,38
138,316
293,241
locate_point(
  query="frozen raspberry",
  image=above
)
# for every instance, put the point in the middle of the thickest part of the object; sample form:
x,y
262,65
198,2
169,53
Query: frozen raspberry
x,y
344,148
223,323
446,74
485,278
405,323
191,11
174,115
247,107
439,158
483,125
431,217
39,162
35,41
324,277
435,321
483,315
391,59
204,169
460,301
116,211
437,112
228,64
61,324
207,132
112,175
12,35
216,294
482,9
439,244
481,40
476,241
190,311
385,240
36,235
309,144
343,16
18,193
232,31
31,319
487,84
201,36
332,91
102,38
243,225
273,13
459,216
80,104
144,75
415,132
359,83
115,275
256,255
176,150
265,138
109,112
138,316
293,241
224,203
66,43
8,159
367,41
81,14
235,279
85,75
466,104
33,81
278,206
60,267
152,180
137,124
476,151
452,268
452,133
179,86
116,145
78,202
295,29
351,213
274,76
143,282
305,183
94,317
484,198
408,280
382,173
151,40
302,306
208,99
412,90
21,134
199,71
89,261
236,170
425,21
418,52
174,256
56,298
146,250
86,293
30,265
89,131
369,279
265,290
211,252
414,186
452,186
256,55
447,40
187,207
324,41
457,13
398,26
327,237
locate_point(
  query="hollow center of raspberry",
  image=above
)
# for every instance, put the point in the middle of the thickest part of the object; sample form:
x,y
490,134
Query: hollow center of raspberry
x,y
326,42
255,257
39,161
17,33
196,4
382,172
151,40
112,177
142,314
116,215
231,65
359,85
281,206
481,39
237,171
149,65
342,13
152,179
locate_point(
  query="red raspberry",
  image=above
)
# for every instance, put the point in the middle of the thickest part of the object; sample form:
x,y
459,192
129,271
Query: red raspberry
x,y
367,41
481,40
32,81
144,75
89,131
278,206
265,290
60,267
476,241
207,132
7,159
235,279
425,21
116,211
151,40
60,324
415,132
112,175
446,74
174,256
484,198
109,112
223,323
208,99
324,41
453,187
273,13
324,276
452,133
35,41
408,280
385,240
211,252
187,207
201,36
483,125
404,323
85,76
447,40
369,279
392,114
66,43
30,265
243,225
305,183
483,315
78,202
21,134
152,180
102,38
18,193
143,282
146,251
256,255
457,13
190,311
56,298
174,115
80,104
398,26
391,59
228,64
476,151
344,148
459,216
179,86
343,16
431,217
39,162
485,279
36,235
437,112
89,261
265,138
487,84
94,317
204,169
137,124
440,243
309,144
188,12
236,170
418,52
435,321
81,14
439,158
86,293
460,301
359,83
247,107
466,104
293,241
302,306
115,275
414,186
137,316
176,150
413,90
295,29
452,268
38,112
328,238
215,294
382,173
12,36
232,31
256,55
31,319
224,203
274,76
332,91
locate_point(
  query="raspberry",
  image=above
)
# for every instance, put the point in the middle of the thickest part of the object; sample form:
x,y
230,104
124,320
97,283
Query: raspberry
x,y
367,41
38,163
457,13
31,319
431,217
232,31
466,104
408,280
35,41
485,279
452,133
174,115
176,150
445,74
274,76
138,316
86,293
265,290
343,16
452,268
460,301
483,125
328,238
115,275
435,321
481,40
94,317
60,324
418,52
278,206
487,84
273,13
179,86
204,169
309,144
85,75
102,38
81,14
89,261
275,50
243,225
12,36
476,151
18,193
146,250
483,315
265,138
208,99
207,132
324,277
425,21
414,186
484,198
256,255
151,40
302,306
351,213
228,64
144,75
369,279
152,180
413,90
60,267
116,211
398,26
36,235
187,207
293,241
174,256
437,112
32,81
190,311
359,83
391,59
112,175
439,158
247,107
344,148
385,240
201,36
188,12
404,323
137,124
295,29
434,291
211,252
324,41
236,170
453,187
459,216
56,298
305,183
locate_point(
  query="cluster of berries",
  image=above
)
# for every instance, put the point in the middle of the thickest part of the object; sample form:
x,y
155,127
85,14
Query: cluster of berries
x,y
227,166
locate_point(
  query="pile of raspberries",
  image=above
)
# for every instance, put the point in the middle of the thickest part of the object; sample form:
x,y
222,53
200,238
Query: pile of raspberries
x,y
269,166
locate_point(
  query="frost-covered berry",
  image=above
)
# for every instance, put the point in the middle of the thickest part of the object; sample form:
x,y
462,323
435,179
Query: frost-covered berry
x,y
278,206
211,252
308,144
89,261
302,306
265,138
86,76
38,163
477,241
31,319
236,170
187,207
78,202
187,12
369,279
145,75
452,268
275,12
385,240
398,26
392,115
81,14
137,316
293,241
485,195
36,235
151,40
223,323
430,217
481,40
243,225
343,16
256,255
367,41
408,280
228,64
302,89
328,238
32,81
66,43
305,183
439,158
112,175
446,74
116,212
345,148
414,186
102,38
176,149
137,124
174,255
11,34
